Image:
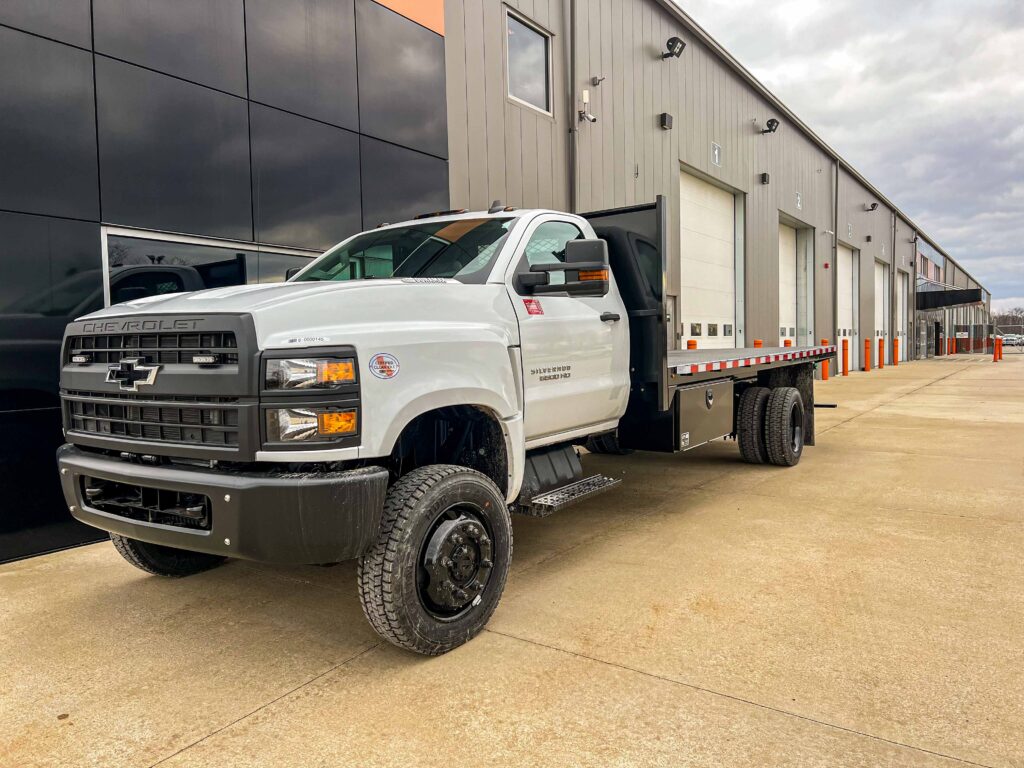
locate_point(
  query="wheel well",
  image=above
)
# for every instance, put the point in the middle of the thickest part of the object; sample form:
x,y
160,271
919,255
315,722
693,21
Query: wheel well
x,y
462,434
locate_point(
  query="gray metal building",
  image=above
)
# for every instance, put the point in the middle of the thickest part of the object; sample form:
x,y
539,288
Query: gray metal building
x,y
773,235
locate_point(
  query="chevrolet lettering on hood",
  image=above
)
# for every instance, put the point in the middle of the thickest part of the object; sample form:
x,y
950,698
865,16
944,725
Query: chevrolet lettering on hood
x,y
142,326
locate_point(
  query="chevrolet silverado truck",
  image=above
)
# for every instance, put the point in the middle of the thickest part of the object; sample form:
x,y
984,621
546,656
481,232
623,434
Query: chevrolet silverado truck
x,y
397,399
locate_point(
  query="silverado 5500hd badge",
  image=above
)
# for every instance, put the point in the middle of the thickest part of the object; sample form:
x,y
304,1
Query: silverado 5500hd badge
x,y
552,373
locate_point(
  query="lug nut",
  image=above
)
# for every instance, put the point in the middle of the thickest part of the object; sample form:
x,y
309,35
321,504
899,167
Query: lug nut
x,y
485,563
446,562
461,594
457,538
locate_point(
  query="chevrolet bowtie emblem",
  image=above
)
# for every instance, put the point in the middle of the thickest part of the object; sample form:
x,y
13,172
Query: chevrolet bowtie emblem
x,y
130,373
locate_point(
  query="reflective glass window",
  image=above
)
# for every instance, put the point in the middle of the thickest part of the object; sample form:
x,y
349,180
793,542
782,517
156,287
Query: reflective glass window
x,y
64,20
399,184
529,64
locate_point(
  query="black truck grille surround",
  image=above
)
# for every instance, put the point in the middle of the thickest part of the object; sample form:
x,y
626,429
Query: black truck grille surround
x,y
211,421
165,348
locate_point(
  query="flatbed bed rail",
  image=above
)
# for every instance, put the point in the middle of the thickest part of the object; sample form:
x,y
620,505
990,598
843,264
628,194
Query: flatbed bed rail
x,y
687,362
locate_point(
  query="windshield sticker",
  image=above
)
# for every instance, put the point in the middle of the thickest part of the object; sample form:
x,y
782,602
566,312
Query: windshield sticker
x,y
384,366
533,307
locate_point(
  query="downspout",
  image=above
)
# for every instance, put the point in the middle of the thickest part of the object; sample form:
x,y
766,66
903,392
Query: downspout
x,y
894,281
570,112
835,259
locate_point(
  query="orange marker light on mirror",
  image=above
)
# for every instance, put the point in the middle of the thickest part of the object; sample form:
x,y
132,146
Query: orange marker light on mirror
x,y
337,422
593,274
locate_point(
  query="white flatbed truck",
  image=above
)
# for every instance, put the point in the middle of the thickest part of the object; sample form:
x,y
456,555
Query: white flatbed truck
x,y
397,398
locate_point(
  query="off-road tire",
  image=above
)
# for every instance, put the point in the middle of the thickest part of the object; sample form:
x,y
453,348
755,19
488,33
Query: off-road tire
x,y
388,573
750,420
783,429
606,443
163,561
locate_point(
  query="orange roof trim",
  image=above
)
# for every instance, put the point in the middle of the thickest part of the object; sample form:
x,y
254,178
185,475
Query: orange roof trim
x,y
429,13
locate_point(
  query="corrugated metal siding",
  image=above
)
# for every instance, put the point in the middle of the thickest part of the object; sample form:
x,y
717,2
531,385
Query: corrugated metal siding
x,y
501,150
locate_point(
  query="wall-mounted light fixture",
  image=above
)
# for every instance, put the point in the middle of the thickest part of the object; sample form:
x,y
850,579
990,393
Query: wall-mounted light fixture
x,y
665,121
870,207
869,238
771,126
765,178
585,112
674,46
596,80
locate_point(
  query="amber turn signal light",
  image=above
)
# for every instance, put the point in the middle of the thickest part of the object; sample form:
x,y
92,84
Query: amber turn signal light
x,y
593,274
337,422
335,371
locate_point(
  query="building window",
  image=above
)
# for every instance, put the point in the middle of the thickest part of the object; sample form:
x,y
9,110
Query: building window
x,y
529,64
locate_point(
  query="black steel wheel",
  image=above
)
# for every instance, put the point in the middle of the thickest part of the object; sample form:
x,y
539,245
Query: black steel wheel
x,y
161,560
784,427
750,433
435,575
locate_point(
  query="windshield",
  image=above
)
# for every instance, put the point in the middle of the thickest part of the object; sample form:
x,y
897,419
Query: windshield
x,y
463,250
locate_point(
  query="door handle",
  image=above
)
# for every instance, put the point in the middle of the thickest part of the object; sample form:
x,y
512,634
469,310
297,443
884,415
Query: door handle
x,y
609,316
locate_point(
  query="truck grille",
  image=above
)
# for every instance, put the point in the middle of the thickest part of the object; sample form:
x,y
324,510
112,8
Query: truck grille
x,y
153,347
211,421
148,505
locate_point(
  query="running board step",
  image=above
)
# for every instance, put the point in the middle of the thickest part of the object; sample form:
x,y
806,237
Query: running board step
x,y
552,501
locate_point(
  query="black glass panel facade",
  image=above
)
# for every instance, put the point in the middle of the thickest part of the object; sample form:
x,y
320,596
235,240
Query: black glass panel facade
x,y
305,180
144,267
302,57
200,40
64,20
47,128
51,274
401,80
399,184
179,149
175,156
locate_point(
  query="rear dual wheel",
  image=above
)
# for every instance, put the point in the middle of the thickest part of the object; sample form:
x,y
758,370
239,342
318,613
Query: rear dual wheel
x,y
770,426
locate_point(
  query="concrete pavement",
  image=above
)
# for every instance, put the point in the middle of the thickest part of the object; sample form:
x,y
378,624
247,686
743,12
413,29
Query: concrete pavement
x,y
864,608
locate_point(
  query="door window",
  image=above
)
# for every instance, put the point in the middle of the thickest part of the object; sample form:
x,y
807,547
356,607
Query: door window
x,y
547,246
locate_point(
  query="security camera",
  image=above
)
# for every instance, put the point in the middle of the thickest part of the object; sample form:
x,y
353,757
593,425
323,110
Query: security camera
x,y
675,47
584,115
871,207
771,126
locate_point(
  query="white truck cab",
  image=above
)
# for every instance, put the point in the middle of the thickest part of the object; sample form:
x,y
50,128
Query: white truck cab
x,y
396,399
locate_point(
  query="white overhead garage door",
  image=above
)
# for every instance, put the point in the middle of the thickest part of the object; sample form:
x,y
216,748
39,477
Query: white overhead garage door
x,y
846,304
787,284
707,247
902,321
881,315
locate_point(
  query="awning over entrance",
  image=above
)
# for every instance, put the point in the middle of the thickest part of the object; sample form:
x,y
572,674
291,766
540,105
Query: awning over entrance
x,y
948,298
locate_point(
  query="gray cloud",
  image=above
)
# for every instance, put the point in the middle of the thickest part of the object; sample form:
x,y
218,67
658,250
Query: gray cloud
x,y
924,97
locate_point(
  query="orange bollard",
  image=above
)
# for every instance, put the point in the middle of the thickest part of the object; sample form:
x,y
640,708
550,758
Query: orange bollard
x,y
881,354
895,352
787,342
867,355
691,343
1000,341
995,352
758,343
846,357
824,363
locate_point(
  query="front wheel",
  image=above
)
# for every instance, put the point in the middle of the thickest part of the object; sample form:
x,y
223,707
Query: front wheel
x,y
435,575
161,560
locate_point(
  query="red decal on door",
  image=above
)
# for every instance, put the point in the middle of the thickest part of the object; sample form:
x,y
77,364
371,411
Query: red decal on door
x,y
533,307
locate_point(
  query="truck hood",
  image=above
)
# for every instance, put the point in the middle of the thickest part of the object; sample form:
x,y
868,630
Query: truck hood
x,y
322,313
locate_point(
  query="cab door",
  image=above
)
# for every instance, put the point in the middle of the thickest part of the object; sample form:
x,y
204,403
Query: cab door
x,y
575,350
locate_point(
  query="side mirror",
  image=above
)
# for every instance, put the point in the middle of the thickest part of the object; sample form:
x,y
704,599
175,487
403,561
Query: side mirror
x,y
292,272
585,267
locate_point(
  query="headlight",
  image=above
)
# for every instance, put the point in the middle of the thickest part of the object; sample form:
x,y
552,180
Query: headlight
x,y
289,425
310,373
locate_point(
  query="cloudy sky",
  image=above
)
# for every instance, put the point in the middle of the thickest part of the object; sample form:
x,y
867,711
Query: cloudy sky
x,y
924,97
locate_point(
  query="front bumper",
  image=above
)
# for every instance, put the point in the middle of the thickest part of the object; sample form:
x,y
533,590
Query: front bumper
x,y
280,518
